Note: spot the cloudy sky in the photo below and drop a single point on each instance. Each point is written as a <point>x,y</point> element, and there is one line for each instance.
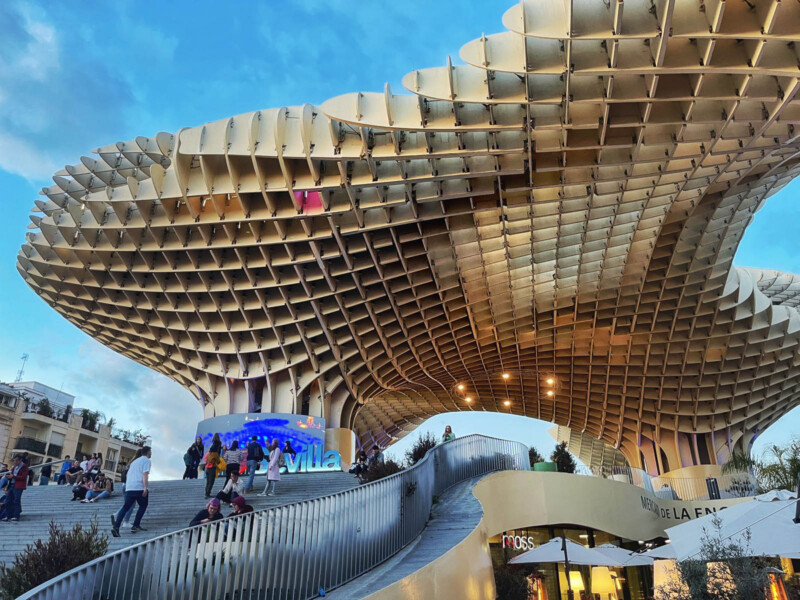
<point>76,76</point>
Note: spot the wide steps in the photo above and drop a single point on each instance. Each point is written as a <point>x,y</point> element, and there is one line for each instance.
<point>172,505</point>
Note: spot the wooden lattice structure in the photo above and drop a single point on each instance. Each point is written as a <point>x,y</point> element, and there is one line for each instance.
<point>565,206</point>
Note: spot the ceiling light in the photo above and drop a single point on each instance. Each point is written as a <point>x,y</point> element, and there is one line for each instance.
<point>460,387</point>
<point>550,381</point>
<point>549,392</point>
<point>506,375</point>
<point>468,399</point>
<point>507,403</point>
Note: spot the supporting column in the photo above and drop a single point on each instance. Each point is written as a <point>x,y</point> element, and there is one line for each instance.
<point>342,440</point>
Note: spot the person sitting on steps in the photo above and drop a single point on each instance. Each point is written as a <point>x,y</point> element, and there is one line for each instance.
<point>232,489</point>
<point>103,488</point>
<point>84,487</point>
<point>209,514</point>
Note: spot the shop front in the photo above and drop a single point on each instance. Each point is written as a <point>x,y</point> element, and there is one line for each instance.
<point>548,581</point>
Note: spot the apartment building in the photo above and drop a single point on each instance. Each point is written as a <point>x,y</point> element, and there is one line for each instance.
<point>32,421</point>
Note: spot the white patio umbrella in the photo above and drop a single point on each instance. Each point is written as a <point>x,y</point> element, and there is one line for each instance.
<point>769,519</point>
<point>625,557</point>
<point>665,551</point>
<point>552,552</point>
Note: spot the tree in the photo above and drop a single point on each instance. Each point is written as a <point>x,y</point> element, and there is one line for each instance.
<point>419,448</point>
<point>534,456</point>
<point>563,459</point>
<point>779,468</point>
<point>724,570</point>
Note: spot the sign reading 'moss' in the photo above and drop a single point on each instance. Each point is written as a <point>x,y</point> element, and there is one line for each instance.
<point>305,434</point>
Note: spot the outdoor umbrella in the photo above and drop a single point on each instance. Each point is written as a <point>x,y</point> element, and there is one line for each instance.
<point>767,517</point>
<point>625,557</point>
<point>551,552</point>
<point>665,551</point>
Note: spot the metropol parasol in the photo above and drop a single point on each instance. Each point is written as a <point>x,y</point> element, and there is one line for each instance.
<point>547,230</point>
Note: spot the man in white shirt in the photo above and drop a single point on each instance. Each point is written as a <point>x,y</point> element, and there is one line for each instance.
<point>85,464</point>
<point>135,491</point>
<point>234,488</point>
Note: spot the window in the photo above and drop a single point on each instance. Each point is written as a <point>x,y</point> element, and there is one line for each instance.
<point>57,439</point>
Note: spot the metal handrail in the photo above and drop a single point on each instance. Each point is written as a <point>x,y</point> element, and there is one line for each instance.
<point>39,466</point>
<point>729,485</point>
<point>291,551</point>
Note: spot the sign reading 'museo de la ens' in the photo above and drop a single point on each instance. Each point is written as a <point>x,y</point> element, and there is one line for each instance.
<point>678,513</point>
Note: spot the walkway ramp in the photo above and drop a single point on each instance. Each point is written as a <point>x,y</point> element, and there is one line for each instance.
<point>172,506</point>
<point>454,517</point>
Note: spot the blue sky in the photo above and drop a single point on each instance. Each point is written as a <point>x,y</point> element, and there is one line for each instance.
<point>76,76</point>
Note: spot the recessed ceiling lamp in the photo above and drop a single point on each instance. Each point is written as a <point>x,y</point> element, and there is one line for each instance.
<point>467,399</point>
<point>550,381</point>
<point>460,387</point>
<point>549,392</point>
<point>507,403</point>
<point>506,375</point>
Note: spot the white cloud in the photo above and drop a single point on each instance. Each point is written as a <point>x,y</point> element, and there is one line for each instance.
<point>137,398</point>
<point>19,157</point>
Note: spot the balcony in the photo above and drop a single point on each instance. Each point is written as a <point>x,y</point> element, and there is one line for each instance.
<point>31,444</point>
<point>48,409</point>
<point>55,451</point>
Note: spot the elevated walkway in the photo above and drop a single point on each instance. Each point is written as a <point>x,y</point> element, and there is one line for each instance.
<point>172,506</point>
<point>453,518</point>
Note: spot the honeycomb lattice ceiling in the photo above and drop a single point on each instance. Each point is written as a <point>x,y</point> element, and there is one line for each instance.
<point>565,205</point>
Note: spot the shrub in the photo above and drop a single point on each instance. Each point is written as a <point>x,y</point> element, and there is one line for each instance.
<point>45,408</point>
<point>511,585</point>
<point>419,448</point>
<point>563,459</point>
<point>45,559</point>
<point>534,456</point>
<point>381,470</point>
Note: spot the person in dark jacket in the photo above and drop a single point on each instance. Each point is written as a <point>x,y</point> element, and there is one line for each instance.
<point>287,449</point>
<point>209,514</point>
<point>19,481</point>
<point>193,457</point>
<point>255,454</point>
<point>44,475</point>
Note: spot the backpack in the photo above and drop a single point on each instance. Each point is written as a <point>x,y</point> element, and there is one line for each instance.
<point>187,459</point>
<point>258,452</point>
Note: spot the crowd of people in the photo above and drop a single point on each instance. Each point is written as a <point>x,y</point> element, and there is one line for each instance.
<point>234,463</point>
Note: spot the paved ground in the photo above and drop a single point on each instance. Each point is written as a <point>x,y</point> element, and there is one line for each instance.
<point>454,517</point>
<point>172,506</point>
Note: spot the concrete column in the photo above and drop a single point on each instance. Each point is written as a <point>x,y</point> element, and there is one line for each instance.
<point>344,441</point>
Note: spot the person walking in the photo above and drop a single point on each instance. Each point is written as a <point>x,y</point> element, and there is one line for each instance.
<point>136,489</point>
<point>18,476</point>
<point>255,454</point>
<point>44,474</point>
<point>233,459</point>
<point>211,462</point>
<point>274,468</point>
<point>448,435</point>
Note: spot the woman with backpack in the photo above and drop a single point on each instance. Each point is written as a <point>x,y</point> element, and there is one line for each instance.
<point>192,458</point>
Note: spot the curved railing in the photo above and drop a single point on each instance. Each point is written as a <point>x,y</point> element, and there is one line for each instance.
<point>289,551</point>
<point>724,486</point>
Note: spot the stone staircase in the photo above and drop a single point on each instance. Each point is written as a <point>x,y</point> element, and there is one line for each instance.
<point>172,506</point>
